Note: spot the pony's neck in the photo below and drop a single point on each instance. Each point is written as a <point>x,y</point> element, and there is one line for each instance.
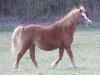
<point>68,25</point>
<point>69,22</point>
<point>72,28</point>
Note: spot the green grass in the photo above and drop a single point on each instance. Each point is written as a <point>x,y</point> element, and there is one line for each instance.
<point>6,28</point>
<point>86,49</point>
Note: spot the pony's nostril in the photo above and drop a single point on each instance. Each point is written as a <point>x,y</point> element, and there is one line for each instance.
<point>90,23</point>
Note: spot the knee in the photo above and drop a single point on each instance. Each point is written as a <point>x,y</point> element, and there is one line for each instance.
<point>60,58</point>
<point>19,55</point>
<point>32,56</point>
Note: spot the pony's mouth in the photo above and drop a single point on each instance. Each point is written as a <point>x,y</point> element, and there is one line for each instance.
<point>88,24</point>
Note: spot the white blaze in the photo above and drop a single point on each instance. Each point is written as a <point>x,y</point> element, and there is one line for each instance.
<point>88,21</point>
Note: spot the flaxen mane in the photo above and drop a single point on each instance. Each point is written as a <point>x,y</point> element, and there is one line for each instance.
<point>70,17</point>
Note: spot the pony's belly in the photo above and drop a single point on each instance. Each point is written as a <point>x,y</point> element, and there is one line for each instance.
<point>47,46</point>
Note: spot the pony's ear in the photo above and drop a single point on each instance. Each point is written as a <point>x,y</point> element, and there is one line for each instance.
<point>82,9</point>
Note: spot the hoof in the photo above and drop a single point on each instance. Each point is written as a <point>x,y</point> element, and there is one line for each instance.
<point>15,70</point>
<point>74,67</point>
<point>15,67</point>
<point>37,67</point>
<point>53,66</point>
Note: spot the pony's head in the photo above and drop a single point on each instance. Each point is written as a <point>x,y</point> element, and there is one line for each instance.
<point>82,17</point>
<point>75,16</point>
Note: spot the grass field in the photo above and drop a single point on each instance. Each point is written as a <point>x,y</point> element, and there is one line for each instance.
<point>86,50</point>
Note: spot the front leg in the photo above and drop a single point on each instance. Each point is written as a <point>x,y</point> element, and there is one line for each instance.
<point>70,54</point>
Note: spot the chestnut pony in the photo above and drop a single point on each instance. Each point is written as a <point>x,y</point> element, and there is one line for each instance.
<point>58,35</point>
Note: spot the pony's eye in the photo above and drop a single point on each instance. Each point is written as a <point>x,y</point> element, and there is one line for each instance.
<point>82,16</point>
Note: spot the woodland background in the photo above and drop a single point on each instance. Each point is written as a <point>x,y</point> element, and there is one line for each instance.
<point>33,11</point>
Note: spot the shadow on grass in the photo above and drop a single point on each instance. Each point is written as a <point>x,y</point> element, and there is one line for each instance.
<point>78,68</point>
<point>82,68</point>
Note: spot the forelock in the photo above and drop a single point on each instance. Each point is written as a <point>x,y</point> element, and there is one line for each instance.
<point>82,8</point>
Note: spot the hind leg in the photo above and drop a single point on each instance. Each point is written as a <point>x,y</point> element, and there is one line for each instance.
<point>54,64</point>
<point>19,56</point>
<point>32,55</point>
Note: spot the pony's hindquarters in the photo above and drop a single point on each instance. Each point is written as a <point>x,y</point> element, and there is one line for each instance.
<point>16,34</point>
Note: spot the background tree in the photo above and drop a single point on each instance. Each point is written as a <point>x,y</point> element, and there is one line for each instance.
<point>28,10</point>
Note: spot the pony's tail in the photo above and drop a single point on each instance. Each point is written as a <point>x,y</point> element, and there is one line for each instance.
<point>17,33</point>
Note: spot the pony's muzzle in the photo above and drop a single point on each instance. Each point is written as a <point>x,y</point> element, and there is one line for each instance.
<point>89,23</point>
